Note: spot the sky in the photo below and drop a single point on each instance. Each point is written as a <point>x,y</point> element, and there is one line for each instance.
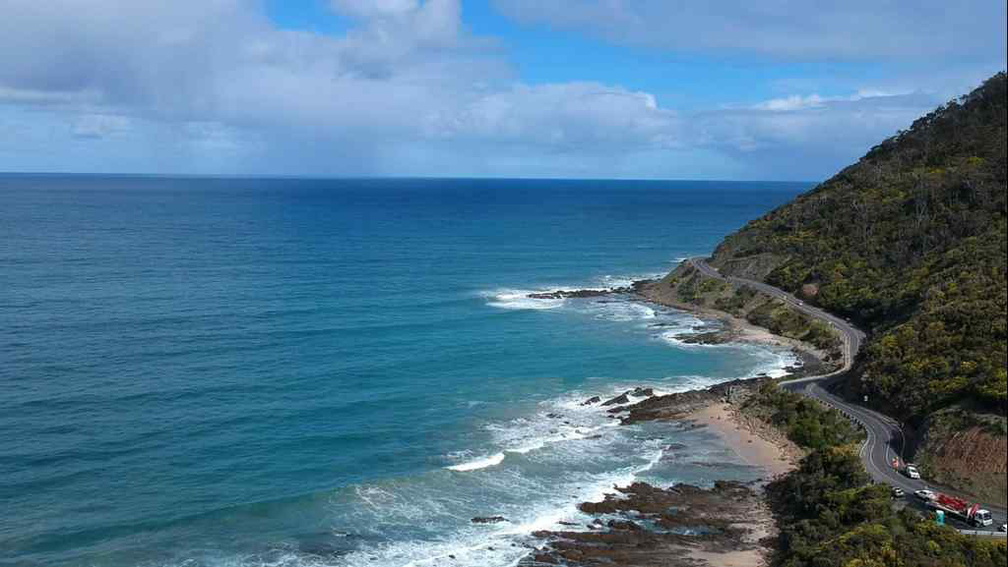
<point>667,89</point>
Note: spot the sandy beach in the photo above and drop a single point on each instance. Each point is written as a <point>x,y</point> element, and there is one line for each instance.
<point>759,445</point>
<point>756,443</point>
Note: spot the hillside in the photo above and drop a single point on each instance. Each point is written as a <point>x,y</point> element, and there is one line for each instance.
<point>910,243</point>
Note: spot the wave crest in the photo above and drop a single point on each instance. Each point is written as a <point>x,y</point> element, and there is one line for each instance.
<point>477,464</point>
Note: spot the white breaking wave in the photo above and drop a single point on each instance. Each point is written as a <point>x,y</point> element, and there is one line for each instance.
<point>673,338</point>
<point>477,464</point>
<point>610,281</point>
<point>511,298</point>
<point>565,454</point>
<point>680,324</point>
<point>622,311</point>
<point>776,361</point>
<point>519,299</point>
<point>504,544</point>
<point>609,308</point>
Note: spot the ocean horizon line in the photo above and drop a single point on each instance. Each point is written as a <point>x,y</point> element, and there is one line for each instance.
<point>272,177</point>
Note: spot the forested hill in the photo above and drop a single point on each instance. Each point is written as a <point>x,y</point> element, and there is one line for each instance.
<point>909,242</point>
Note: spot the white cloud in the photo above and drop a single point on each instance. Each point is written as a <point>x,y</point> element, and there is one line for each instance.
<point>191,60</point>
<point>569,115</point>
<point>376,8</point>
<point>408,72</point>
<point>809,135</point>
<point>99,125</point>
<point>793,102</point>
<point>11,95</point>
<point>784,28</point>
<point>799,102</point>
<point>198,85</point>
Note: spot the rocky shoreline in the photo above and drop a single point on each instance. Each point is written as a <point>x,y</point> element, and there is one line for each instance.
<point>634,288</point>
<point>580,293</point>
<point>679,405</point>
<point>642,525</point>
<point>733,329</point>
<point>648,526</point>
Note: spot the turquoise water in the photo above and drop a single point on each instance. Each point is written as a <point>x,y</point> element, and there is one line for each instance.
<point>338,372</point>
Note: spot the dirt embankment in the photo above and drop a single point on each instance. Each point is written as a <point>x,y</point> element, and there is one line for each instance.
<point>968,453</point>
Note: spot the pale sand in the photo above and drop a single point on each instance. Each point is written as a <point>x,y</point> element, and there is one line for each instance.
<point>754,442</point>
<point>761,525</point>
<point>758,444</point>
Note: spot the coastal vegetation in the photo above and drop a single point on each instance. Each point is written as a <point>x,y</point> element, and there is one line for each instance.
<point>801,419</point>
<point>829,513</point>
<point>686,287</point>
<point>830,516</point>
<point>910,244</point>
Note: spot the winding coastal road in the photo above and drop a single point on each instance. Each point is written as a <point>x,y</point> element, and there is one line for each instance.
<point>884,436</point>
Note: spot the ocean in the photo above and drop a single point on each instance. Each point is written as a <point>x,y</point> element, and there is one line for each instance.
<point>232,372</point>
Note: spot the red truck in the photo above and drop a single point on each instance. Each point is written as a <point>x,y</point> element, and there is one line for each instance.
<point>966,511</point>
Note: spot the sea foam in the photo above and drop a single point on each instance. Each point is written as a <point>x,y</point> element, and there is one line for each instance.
<point>519,299</point>
<point>503,545</point>
<point>513,298</point>
<point>477,464</point>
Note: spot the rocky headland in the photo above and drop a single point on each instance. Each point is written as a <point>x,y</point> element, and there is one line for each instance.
<point>642,525</point>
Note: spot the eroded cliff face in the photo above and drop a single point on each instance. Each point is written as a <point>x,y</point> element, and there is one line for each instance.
<point>966,451</point>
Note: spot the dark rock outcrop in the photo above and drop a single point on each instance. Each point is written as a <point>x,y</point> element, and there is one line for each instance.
<point>620,399</point>
<point>657,527</point>
<point>489,519</point>
<point>578,293</point>
<point>676,406</point>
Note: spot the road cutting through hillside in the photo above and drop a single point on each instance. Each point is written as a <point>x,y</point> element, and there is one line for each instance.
<point>884,436</point>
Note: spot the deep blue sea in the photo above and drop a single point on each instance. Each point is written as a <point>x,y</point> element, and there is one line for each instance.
<point>231,372</point>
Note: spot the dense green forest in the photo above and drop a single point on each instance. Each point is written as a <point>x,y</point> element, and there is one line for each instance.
<point>910,243</point>
<point>832,516</point>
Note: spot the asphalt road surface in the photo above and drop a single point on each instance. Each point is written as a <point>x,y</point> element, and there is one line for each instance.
<point>884,437</point>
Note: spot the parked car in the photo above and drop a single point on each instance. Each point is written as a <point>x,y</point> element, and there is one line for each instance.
<point>1004,527</point>
<point>911,471</point>
<point>897,492</point>
<point>924,495</point>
